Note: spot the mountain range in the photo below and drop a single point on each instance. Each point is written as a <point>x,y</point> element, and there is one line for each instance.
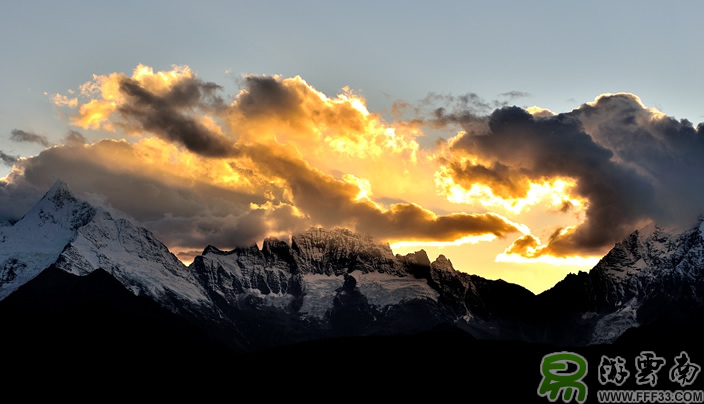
<point>78,284</point>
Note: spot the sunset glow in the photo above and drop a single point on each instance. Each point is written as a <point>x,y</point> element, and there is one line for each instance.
<point>554,193</point>
<point>254,121</point>
<point>286,156</point>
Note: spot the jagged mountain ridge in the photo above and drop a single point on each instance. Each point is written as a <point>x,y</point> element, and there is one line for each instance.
<point>326,283</point>
<point>336,283</point>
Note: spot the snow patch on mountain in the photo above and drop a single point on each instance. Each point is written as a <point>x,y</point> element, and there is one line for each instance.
<point>319,294</point>
<point>383,290</point>
<point>611,326</point>
<point>132,255</point>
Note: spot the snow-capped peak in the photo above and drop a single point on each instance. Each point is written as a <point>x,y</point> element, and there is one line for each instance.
<point>35,241</point>
<point>59,207</point>
<point>647,269</point>
<point>65,231</point>
<point>59,191</point>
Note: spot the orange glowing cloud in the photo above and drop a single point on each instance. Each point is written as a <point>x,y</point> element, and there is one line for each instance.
<point>528,248</point>
<point>289,111</point>
<point>497,188</point>
<point>302,157</point>
<point>282,156</point>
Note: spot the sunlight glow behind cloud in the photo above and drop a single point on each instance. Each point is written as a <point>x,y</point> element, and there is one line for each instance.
<point>281,156</point>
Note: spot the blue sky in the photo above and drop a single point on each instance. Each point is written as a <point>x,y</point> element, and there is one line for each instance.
<point>553,54</point>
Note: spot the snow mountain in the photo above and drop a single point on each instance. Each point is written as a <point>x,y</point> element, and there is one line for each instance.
<point>337,283</point>
<point>78,238</point>
<point>654,277</point>
<point>325,283</point>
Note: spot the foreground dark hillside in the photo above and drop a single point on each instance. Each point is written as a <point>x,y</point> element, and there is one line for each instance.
<point>60,321</point>
<point>66,336</point>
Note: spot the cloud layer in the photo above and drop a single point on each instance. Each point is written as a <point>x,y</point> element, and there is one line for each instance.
<point>282,156</point>
<point>275,160</point>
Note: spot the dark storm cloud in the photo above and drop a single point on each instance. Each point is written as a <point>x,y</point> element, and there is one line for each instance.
<point>668,152</point>
<point>7,159</point>
<point>168,115</point>
<point>632,165</point>
<point>19,135</point>
<point>520,145</point>
<point>266,96</point>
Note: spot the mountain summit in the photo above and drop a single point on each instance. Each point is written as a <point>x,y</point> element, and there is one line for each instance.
<point>79,238</point>
<point>654,277</point>
<point>38,238</point>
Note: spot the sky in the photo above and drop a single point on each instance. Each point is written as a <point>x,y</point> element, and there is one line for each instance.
<point>521,140</point>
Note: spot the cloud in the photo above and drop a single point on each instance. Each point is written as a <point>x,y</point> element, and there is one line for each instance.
<point>63,101</point>
<point>174,105</point>
<point>119,172</point>
<point>19,135</point>
<point>330,202</point>
<point>288,149</point>
<point>282,156</point>
<point>504,181</point>
<point>74,138</point>
<point>630,165</point>
<point>272,109</point>
<point>469,111</point>
<point>192,205</point>
<point>7,159</point>
<point>514,94</point>
<point>667,152</point>
<point>166,115</point>
<point>193,192</point>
